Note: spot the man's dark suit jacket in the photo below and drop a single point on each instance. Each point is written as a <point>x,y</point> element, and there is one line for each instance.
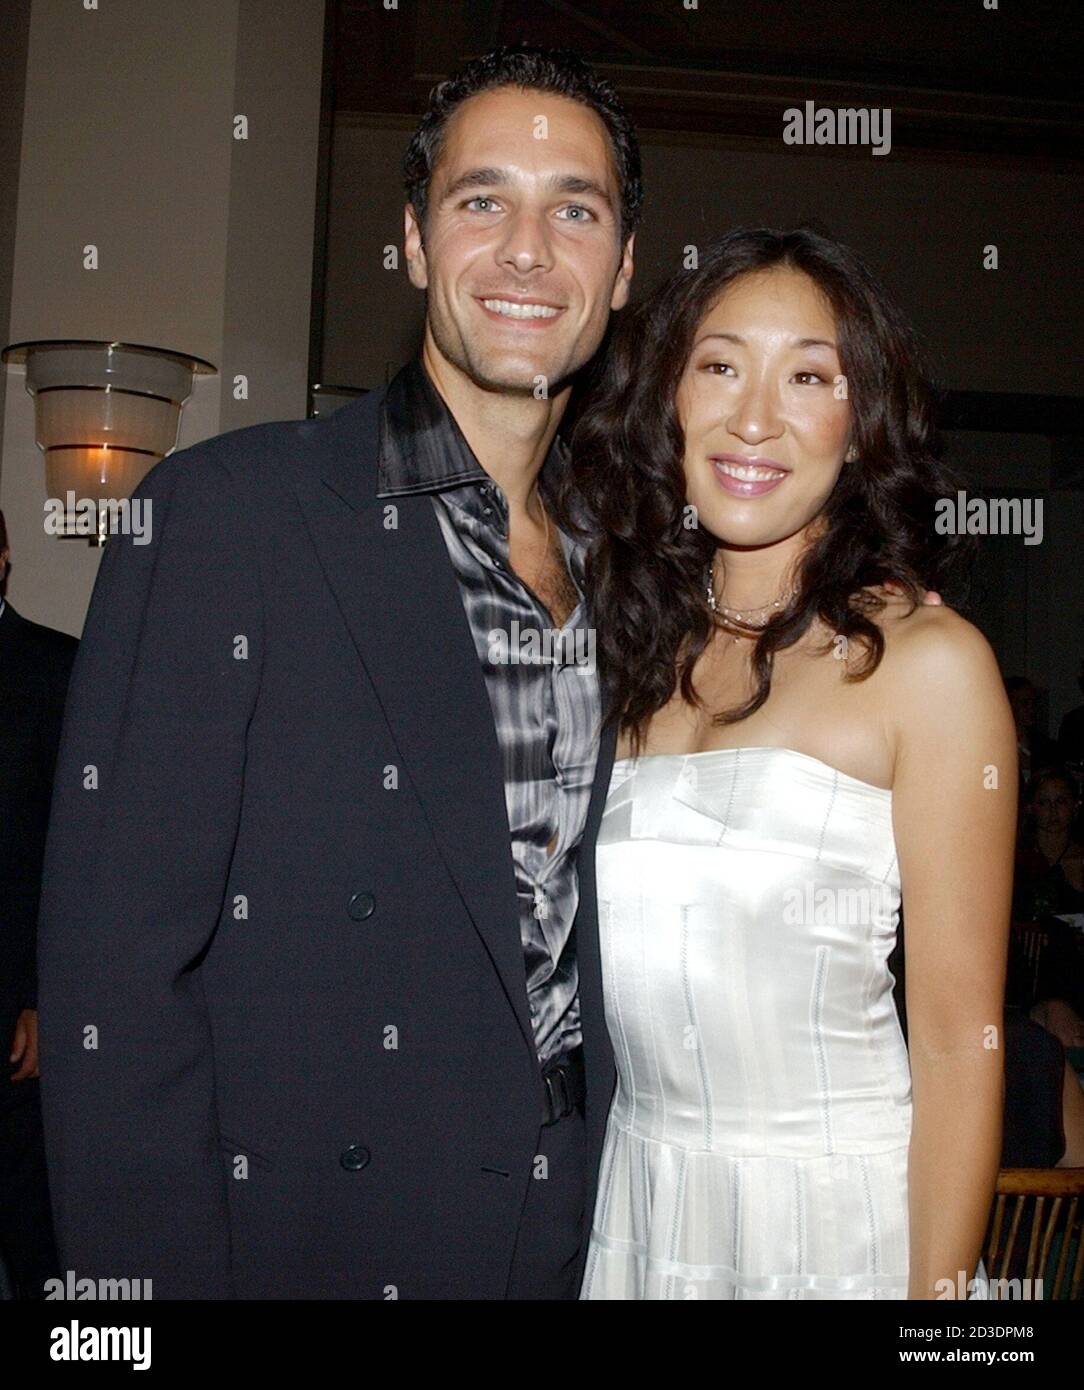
<point>285,1036</point>
<point>35,663</point>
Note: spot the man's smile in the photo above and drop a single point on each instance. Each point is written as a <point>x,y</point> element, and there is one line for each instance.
<point>534,313</point>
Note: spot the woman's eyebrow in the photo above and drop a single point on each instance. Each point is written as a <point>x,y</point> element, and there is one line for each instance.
<point>797,342</point>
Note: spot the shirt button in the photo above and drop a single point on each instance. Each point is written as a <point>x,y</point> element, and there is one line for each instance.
<point>355,1158</point>
<point>361,905</point>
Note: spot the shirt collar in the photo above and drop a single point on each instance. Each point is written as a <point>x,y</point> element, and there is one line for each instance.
<point>422,448</point>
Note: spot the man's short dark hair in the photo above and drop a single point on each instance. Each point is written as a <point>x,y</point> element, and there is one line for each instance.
<point>532,69</point>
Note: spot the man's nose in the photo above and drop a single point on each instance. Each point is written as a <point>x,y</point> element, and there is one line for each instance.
<point>525,247</point>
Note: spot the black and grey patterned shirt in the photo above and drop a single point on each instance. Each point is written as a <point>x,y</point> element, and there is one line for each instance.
<point>545,700</point>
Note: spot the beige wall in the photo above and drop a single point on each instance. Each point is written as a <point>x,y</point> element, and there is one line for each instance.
<point>204,242</point>
<point>14,36</point>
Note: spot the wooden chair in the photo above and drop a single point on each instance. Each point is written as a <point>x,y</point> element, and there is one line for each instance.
<point>1037,1211</point>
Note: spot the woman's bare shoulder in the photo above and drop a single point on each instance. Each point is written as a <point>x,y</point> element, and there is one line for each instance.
<point>936,659</point>
<point>929,631</point>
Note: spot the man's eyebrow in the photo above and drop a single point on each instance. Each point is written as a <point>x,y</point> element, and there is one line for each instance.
<point>491,177</point>
<point>574,183</point>
<point>477,178</point>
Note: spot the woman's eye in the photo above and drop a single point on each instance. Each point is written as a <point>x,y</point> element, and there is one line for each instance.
<point>813,376</point>
<point>717,368</point>
<point>582,214</point>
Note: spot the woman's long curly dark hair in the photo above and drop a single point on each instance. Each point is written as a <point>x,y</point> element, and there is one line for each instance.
<point>625,486</point>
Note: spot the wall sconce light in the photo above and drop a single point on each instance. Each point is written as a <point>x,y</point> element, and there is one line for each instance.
<point>104,414</point>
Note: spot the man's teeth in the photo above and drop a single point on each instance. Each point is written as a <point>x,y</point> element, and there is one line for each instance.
<point>520,311</point>
<point>749,473</point>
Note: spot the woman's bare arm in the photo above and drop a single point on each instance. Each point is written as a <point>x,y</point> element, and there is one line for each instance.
<point>954,815</point>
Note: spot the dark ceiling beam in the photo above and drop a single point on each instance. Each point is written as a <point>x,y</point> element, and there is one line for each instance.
<point>709,83</point>
<point>621,42</point>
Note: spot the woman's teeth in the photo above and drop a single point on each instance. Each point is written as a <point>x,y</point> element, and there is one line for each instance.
<point>520,311</point>
<point>749,473</point>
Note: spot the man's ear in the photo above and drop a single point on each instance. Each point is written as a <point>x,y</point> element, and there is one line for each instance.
<point>414,248</point>
<point>620,296</point>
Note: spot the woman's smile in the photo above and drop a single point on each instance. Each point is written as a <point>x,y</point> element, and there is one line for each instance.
<point>748,477</point>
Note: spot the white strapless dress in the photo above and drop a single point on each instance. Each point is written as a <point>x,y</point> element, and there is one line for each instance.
<point>757,1143</point>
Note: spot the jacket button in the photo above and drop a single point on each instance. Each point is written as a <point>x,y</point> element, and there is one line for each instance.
<point>355,1158</point>
<point>362,905</point>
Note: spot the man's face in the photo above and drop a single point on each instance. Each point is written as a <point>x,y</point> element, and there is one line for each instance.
<point>522,257</point>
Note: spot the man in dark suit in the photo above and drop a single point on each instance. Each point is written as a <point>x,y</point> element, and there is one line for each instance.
<point>35,663</point>
<point>321,999</point>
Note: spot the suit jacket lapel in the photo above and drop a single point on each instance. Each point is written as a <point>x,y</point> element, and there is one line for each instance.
<point>400,600</point>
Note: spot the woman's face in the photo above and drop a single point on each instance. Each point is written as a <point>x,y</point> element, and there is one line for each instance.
<point>1053,806</point>
<point>766,421</point>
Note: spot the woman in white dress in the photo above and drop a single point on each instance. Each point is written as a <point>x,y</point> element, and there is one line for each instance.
<point>802,744</point>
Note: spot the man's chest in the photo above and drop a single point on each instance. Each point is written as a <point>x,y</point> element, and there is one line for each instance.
<point>541,567</point>
<point>555,590</point>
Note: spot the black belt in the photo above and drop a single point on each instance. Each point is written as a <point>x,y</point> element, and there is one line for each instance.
<point>565,1087</point>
